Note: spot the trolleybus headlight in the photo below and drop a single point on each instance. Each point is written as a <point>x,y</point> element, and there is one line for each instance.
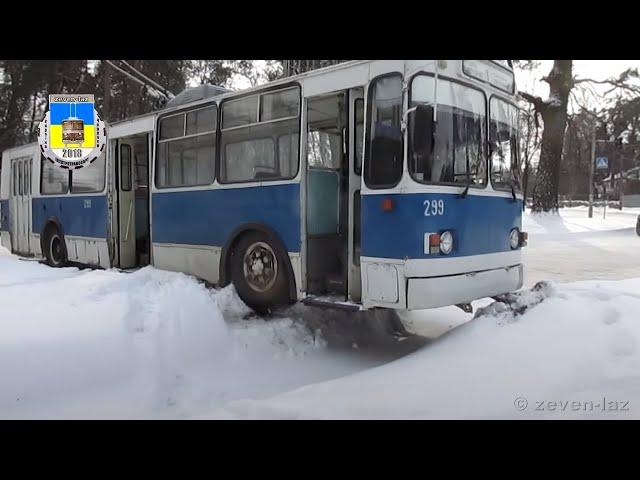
<point>446,242</point>
<point>514,238</point>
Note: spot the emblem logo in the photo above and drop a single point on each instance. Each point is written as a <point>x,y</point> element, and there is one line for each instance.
<point>72,134</point>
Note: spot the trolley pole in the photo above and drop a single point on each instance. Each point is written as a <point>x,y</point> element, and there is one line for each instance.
<point>592,169</point>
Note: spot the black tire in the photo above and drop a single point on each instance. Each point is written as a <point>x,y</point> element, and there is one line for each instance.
<point>638,227</point>
<point>55,249</point>
<point>259,271</point>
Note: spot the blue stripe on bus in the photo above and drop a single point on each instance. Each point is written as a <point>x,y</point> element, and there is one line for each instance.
<point>209,217</point>
<point>480,224</point>
<point>77,217</point>
<point>5,221</point>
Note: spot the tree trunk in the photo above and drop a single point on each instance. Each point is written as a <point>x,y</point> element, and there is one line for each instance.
<point>554,116</point>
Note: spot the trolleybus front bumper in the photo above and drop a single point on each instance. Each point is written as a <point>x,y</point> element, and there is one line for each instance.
<point>441,291</point>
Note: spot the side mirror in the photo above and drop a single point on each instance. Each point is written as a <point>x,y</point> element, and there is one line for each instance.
<point>423,130</point>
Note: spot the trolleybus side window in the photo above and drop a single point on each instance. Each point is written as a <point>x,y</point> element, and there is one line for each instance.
<point>202,120</point>
<point>186,148</point>
<point>90,178</point>
<point>503,137</point>
<point>172,127</point>
<point>53,179</point>
<point>260,137</point>
<point>288,146</point>
<point>459,147</point>
<point>383,167</point>
<point>324,132</point>
<point>281,104</point>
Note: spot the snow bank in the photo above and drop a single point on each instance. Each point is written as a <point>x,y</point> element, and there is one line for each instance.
<point>68,333</point>
<point>575,355</point>
<point>149,344</point>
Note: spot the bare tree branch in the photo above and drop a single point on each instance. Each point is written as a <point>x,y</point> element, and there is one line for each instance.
<point>537,102</point>
<point>615,83</point>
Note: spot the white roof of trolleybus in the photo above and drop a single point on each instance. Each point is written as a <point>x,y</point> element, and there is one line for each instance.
<point>351,74</point>
<point>131,126</point>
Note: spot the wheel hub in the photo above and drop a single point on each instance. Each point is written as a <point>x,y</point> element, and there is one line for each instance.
<point>260,266</point>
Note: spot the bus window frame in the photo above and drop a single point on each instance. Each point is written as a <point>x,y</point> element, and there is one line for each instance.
<point>258,94</point>
<point>356,170</point>
<point>367,132</point>
<point>485,184</point>
<point>216,132</point>
<point>498,187</point>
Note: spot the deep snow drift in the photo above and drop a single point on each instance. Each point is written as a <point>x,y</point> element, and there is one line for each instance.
<point>152,344</point>
<point>575,355</point>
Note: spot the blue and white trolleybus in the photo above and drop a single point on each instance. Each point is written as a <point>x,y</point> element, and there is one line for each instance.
<point>389,184</point>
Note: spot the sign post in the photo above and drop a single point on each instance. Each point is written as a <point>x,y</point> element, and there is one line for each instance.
<point>592,172</point>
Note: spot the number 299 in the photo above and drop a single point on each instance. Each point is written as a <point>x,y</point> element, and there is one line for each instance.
<point>433,208</point>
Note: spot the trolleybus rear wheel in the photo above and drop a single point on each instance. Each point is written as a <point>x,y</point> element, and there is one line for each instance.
<point>638,226</point>
<point>259,272</point>
<point>55,249</point>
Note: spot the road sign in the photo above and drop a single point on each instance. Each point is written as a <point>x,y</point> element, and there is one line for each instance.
<point>602,163</point>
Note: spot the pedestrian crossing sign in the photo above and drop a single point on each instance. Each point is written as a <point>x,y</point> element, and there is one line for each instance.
<point>602,163</point>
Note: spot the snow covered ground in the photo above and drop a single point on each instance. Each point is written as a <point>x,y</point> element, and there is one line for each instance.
<point>575,355</point>
<point>574,247</point>
<point>152,344</point>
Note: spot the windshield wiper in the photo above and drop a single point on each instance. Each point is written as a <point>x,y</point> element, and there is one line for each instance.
<point>466,189</point>
<point>511,183</point>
